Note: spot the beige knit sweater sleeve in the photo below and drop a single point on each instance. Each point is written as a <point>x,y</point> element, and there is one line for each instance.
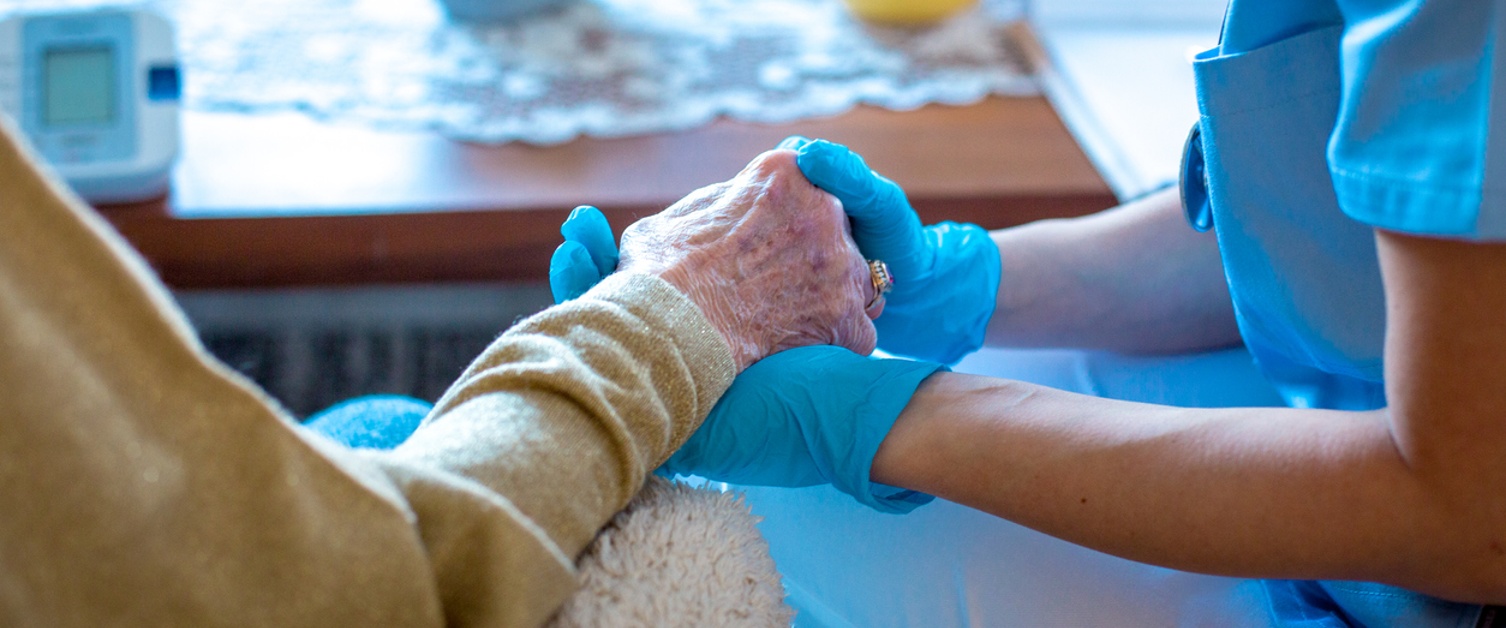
<point>143,483</point>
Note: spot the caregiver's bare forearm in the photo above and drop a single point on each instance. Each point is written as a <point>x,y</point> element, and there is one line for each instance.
<point>1134,278</point>
<point>1257,492</point>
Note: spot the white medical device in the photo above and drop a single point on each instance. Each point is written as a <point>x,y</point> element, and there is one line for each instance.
<point>97,93</point>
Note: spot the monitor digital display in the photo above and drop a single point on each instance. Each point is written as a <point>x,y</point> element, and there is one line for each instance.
<point>78,86</point>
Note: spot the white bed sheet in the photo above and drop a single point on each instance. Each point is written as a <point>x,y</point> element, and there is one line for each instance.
<point>949,565</point>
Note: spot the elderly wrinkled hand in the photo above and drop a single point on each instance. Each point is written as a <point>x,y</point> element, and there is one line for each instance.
<point>767,257</point>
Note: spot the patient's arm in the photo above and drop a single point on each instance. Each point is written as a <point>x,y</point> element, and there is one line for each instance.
<point>1135,278</point>
<point>144,483</point>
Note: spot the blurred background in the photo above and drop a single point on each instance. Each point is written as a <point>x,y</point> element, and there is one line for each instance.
<point>367,191</point>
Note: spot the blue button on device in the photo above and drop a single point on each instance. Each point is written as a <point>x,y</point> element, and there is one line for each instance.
<point>163,83</point>
<point>97,92</point>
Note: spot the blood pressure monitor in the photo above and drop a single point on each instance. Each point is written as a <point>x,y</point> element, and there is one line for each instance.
<point>97,92</point>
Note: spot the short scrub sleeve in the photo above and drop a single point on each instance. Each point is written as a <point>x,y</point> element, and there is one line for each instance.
<point>1419,145</point>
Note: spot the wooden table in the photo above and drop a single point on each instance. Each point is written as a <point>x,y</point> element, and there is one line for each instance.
<point>282,200</point>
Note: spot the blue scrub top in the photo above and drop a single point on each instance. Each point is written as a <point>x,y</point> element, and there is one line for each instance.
<point>1324,119</point>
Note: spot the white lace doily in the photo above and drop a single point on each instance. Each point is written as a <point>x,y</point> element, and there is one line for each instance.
<point>604,68</point>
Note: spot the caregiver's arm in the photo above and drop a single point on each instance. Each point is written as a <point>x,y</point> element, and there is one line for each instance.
<point>1409,495</point>
<point>1135,278</point>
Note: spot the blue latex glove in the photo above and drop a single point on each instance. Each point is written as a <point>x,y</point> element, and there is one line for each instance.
<point>802,417</point>
<point>946,276</point>
<point>588,255</point>
<point>807,416</point>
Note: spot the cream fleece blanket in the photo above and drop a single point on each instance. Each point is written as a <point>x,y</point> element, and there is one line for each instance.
<point>678,556</point>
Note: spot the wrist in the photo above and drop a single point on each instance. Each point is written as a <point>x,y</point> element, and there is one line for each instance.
<point>939,440</point>
<point>719,311</point>
<point>892,384</point>
<point>903,455</point>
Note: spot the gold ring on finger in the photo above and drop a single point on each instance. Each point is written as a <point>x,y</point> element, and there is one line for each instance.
<point>883,280</point>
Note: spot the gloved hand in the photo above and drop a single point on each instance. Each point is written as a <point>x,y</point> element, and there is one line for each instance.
<point>802,417</point>
<point>588,255</point>
<point>807,416</point>
<point>946,276</point>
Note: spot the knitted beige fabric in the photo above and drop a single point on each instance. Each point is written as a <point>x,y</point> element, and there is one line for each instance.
<point>144,483</point>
